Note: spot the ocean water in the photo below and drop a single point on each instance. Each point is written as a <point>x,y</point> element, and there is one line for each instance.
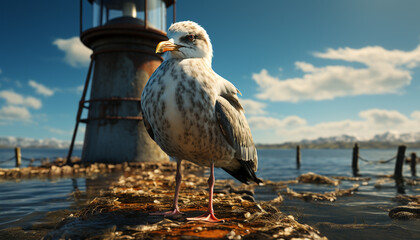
<point>25,202</point>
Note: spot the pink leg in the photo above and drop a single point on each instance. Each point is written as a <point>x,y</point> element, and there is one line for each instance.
<point>178,179</point>
<point>209,215</point>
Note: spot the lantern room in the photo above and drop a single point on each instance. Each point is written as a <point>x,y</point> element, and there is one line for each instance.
<point>130,12</point>
<point>145,13</point>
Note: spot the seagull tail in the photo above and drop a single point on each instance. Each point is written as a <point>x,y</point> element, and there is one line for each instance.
<point>245,173</point>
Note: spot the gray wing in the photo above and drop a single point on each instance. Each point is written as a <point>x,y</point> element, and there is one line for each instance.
<point>147,125</point>
<point>236,131</point>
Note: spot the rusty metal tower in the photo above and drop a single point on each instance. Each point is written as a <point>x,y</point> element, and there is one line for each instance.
<point>123,39</point>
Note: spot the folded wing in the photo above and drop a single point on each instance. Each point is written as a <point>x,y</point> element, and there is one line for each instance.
<point>235,129</point>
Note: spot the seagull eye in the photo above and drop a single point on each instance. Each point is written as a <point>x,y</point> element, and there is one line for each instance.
<point>191,37</point>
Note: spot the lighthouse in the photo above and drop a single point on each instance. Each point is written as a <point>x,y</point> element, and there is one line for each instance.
<point>123,37</point>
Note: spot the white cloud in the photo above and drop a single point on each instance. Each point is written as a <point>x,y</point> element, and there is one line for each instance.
<point>13,113</point>
<point>264,123</point>
<point>416,115</point>
<point>75,90</point>
<point>386,71</point>
<point>32,102</point>
<point>41,89</point>
<point>385,118</point>
<point>252,107</point>
<point>11,97</point>
<point>76,54</point>
<point>58,131</point>
<point>374,56</point>
<point>16,99</point>
<point>370,122</point>
<point>80,89</point>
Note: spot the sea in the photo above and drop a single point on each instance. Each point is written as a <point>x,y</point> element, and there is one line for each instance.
<point>363,215</point>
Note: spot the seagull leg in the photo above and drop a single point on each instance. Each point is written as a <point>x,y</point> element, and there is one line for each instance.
<point>209,215</point>
<point>178,179</point>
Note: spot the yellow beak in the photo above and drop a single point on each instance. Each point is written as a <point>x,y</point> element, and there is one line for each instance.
<point>165,46</point>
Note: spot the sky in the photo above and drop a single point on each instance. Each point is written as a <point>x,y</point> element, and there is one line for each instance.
<point>306,69</point>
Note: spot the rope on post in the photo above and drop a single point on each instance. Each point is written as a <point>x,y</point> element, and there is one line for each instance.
<point>8,160</point>
<point>378,161</point>
<point>31,160</point>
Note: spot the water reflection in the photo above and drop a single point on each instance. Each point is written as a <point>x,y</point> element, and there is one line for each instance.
<point>27,202</point>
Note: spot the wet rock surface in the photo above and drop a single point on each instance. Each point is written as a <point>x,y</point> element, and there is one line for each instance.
<point>405,212</point>
<point>410,210</point>
<point>121,211</point>
<point>327,196</point>
<point>317,179</point>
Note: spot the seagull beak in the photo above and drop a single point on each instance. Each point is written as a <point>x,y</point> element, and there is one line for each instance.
<point>165,46</point>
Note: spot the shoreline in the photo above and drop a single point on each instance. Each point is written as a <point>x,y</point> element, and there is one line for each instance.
<point>121,209</point>
<point>119,197</point>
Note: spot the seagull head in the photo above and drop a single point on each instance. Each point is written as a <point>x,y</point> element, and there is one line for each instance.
<point>187,39</point>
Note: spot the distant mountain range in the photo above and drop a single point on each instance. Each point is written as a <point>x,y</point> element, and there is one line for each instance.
<point>393,137</point>
<point>11,142</point>
<point>384,137</point>
<point>384,140</point>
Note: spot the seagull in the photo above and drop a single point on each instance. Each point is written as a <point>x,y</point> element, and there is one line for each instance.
<point>194,114</point>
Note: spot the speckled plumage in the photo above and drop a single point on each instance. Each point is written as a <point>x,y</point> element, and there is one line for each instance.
<point>194,114</point>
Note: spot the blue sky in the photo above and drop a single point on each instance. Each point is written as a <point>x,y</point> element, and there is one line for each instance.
<point>306,69</point>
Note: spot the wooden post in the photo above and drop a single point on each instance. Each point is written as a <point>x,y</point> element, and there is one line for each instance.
<point>18,156</point>
<point>400,161</point>
<point>298,157</point>
<point>413,164</point>
<point>355,164</point>
<point>399,181</point>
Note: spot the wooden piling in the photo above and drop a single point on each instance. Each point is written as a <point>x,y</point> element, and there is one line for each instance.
<point>355,163</point>
<point>399,181</point>
<point>18,156</point>
<point>400,161</point>
<point>413,164</point>
<point>298,157</point>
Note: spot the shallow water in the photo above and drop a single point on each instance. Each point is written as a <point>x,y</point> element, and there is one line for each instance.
<point>26,202</point>
<point>361,216</point>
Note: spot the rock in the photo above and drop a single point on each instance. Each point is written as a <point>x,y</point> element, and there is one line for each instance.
<point>55,171</point>
<point>248,198</point>
<point>278,199</point>
<point>405,212</point>
<point>102,166</point>
<point>25,172</point>
<point>327,196</point>
<point>67,170</point>
<point>317,179</point>
<point>408,199</point>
